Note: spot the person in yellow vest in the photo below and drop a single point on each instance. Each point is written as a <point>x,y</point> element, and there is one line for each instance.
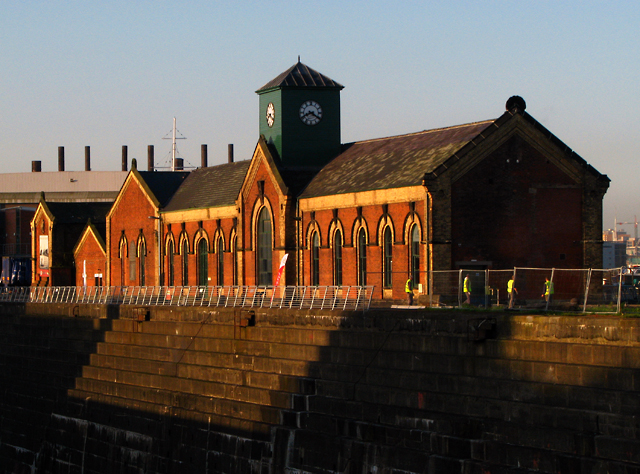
<point>548,290</point>
<point>511,290</point>
<point>467,289</point>
<point>408,288</point>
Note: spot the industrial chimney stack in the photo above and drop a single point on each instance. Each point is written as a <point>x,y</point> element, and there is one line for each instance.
<point>87,158</point>
<point>124,158</point>
<point>203,156</point>
<point>150,158</point>
<point>60,158</point>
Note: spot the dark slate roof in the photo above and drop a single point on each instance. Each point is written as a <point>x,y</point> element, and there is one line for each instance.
<point>300,75</point>
<point>79,212</point>
<point>163,184</point>
<point>210,187</point>
<point>392,162</point>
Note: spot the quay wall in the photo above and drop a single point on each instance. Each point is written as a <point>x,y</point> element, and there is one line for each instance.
<point>159,390</point>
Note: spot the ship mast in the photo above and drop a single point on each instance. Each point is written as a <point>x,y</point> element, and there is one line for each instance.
<point>173,145</point>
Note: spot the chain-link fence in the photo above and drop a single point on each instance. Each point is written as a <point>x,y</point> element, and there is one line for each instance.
<point>290,297</point>
<point>549,289</point>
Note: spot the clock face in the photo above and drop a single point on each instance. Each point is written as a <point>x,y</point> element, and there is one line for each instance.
<point>310,112</point>
<point>271,114</point>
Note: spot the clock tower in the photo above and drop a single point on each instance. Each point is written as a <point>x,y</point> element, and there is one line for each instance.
<point>300,117</point>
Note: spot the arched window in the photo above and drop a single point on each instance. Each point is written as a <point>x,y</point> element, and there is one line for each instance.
<point>337,258</point>
<point>220,261</point>
<point>185,262</point>
<point>123,258</point>
<point>170,267</point>
<point>415,254</point>
<point>133,256</point>
<point>234,251</point>
<point>315,259</point>
<point>142,252</point>
<point>362,257</point>
<point>264,266</point>
<point>388,257</point>
<point>203,263</point>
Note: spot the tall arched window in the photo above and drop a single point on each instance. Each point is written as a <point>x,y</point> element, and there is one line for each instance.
<point>220,261</point>
<point>264,266</point>
<point>315,259</point>
<point>170,267</point>
<point>362,257</point>
<point>388,257</point>
<point>123,259</point>
<point>337,258</point>
<point>185,262</point>
<point>415,254</point>
<point>133,257</point>
<point>142,253</point>
<point>203,263</point>
<point>234,251</point>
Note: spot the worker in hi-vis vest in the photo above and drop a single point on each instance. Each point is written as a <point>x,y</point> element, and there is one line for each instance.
<point>548,290</point>
<point>467,289</point>
<point>511,290</point>
<point>408,288</point>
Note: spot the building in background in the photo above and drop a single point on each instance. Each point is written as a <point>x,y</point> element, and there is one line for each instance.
<point>614,254</point>
<point>20,195</point>
<point>56,228</point>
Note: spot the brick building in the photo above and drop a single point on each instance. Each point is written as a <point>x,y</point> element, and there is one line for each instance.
<point>493,194</point>
<point>90,256</point>
<point>55,229</point>
<point>132,226</point>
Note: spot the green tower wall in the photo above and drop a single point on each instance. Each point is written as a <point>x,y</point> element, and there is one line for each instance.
<point>300,145</point>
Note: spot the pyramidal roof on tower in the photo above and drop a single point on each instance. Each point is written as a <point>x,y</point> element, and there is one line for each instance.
<point>300,75</point>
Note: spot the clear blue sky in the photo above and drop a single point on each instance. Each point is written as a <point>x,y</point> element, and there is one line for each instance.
<point>115,73</point>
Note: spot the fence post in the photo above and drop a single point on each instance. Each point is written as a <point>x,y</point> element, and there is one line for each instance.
<point>430,280</point>
<point>510,296</point>
<point>460,287</point>
<point>486,288</point>
<point>586,292</point>
<point>619,289</point>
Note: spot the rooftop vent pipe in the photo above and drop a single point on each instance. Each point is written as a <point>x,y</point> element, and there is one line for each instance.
<point>230,152</point>
<point>36,166</point>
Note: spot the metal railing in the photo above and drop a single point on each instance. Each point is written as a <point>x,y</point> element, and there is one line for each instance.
<point>290,297</point>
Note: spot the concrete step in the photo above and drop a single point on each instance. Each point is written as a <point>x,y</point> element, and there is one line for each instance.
<point>242,393</point>
<point>209,373</point>
<point>160,401</point>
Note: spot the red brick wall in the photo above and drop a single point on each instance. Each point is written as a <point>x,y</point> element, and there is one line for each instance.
<point>132,214</point>
<point>193,232</point>
<point>517,209</point>
<point>372,216</point>
<point>94,256</point>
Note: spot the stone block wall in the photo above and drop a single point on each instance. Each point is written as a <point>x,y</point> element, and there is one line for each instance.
<point>191,390</point>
